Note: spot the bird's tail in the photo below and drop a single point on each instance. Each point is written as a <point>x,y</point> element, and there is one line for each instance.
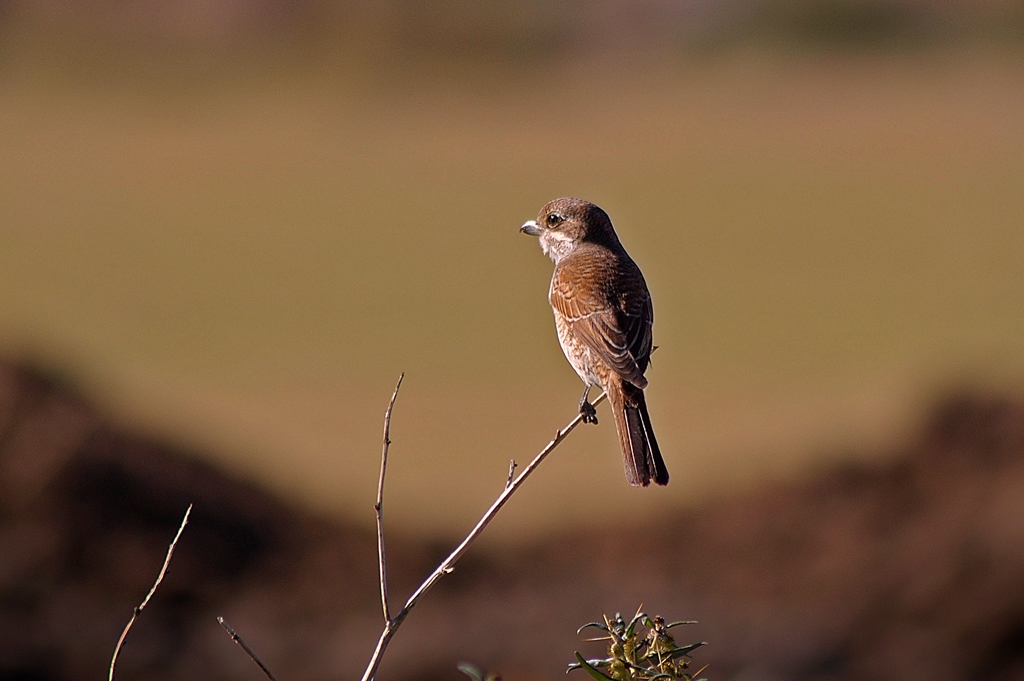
<point>640,453</point>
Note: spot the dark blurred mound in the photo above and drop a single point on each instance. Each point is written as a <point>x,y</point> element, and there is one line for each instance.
<point>908,570</point>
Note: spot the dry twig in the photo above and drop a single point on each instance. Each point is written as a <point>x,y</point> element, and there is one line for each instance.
<point>379,506</point>
<point>145,601</point>
<point>447,565</point>
<point>245,646</point>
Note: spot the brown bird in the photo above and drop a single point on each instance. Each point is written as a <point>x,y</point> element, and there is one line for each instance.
<point>603,315</point>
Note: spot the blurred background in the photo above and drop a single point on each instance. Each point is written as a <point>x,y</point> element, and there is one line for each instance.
<point>227,226</point>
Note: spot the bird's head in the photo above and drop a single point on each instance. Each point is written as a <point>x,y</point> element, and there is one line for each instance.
<point>564,224</point>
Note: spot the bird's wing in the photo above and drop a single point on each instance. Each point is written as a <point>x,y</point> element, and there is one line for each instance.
<point>613,321</point>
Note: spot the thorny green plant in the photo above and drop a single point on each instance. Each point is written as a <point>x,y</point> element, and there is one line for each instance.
<point>639,650</point>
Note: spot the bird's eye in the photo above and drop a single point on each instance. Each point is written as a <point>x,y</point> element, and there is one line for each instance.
<point>554,219</point>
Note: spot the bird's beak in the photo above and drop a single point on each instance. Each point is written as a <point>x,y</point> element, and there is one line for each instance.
<point>530,228</point>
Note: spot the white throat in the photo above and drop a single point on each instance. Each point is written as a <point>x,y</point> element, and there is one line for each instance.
<point>557,245</point>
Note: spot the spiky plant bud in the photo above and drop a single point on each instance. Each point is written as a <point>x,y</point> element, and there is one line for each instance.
<point>640,650</point>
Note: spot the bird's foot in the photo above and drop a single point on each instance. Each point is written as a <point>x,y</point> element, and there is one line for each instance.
<point>588,412</point>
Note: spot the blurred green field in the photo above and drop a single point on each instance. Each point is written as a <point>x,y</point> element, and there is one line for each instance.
<point>247,268</point>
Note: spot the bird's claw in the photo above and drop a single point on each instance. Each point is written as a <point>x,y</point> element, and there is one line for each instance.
<point>588,412</point>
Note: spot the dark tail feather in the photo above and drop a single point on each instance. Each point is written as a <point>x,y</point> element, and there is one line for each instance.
<point>641,456</point>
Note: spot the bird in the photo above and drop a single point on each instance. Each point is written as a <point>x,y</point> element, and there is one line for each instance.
<point>604,316</point>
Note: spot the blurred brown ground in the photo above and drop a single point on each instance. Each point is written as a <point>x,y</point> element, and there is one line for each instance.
<point>910,570</point>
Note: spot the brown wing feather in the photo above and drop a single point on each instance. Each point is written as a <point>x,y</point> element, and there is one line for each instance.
<point>614,324</point>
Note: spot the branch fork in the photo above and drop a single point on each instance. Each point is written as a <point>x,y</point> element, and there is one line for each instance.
<point>447,565</point>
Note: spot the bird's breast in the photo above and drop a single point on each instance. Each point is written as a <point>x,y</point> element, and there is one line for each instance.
<point>577,352</point>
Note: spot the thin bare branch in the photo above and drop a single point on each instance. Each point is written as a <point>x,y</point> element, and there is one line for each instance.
<point>379,506</point>
<point>448,564</point>
<point>248,651</point>
<point>159,578</point>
